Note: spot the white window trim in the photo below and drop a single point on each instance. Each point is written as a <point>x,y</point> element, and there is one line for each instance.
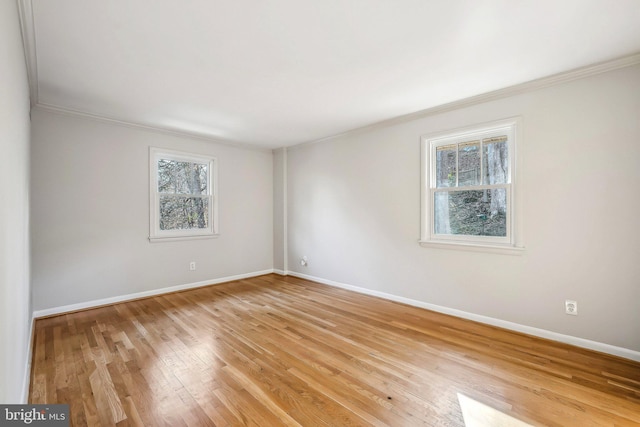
<point>157,235</point>
<point>513,243</point>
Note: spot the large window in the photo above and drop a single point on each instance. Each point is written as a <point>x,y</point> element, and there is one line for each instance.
<point>183,202</point>
<point>469,193</point>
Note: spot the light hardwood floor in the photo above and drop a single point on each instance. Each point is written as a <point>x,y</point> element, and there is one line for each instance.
<point>272,350</point>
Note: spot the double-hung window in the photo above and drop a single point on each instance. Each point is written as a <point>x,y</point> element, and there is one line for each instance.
<point>469,193</point>
<point>183,196</point>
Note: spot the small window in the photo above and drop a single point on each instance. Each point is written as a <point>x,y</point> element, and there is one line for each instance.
<point>183,202</point>
<point>469,193</point>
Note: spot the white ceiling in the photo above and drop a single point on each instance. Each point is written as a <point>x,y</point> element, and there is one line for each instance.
<point>281,72</point>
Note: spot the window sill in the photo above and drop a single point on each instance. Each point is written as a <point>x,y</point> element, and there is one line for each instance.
<point>474,247</point>
<point>181,238</point>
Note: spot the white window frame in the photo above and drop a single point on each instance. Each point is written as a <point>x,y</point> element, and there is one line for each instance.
<point>512,243</point>
<point>155,233</point>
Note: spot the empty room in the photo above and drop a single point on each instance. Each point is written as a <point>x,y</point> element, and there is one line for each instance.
<point>320,213</point>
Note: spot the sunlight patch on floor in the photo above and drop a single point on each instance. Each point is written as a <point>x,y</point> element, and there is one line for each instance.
<point>478,414</point>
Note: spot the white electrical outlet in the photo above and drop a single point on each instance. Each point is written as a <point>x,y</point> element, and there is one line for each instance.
<point>192,265</point>
<point>571,307</point>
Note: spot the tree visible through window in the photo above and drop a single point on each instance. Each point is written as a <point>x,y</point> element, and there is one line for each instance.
<point>182,193</point>
<point>183,188</point>
<point>460,210</point>
<point>469,186</point>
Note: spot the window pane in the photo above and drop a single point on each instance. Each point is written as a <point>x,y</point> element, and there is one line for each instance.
<point>469,163</point>
<point>495,158</point>
<point>182,177</point>
<point>446,166</point>
<point>179,213</point>
<point>471,213</point>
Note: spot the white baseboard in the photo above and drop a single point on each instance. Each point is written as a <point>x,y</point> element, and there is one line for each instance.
<point>121,298</point>
<point>542,333</point>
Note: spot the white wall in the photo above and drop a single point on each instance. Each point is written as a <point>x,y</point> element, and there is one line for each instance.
<point>90,213</point>
<point>279,198</point>
<point>354,210</point>
<point>15,311</point>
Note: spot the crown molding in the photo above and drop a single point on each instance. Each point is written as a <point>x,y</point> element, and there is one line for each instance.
<point>27,27</point>
<point>157,129</point>
<point>541,83</point>
<point>29,40</point>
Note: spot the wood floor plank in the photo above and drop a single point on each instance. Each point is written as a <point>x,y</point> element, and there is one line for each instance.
<point>273,350</point>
